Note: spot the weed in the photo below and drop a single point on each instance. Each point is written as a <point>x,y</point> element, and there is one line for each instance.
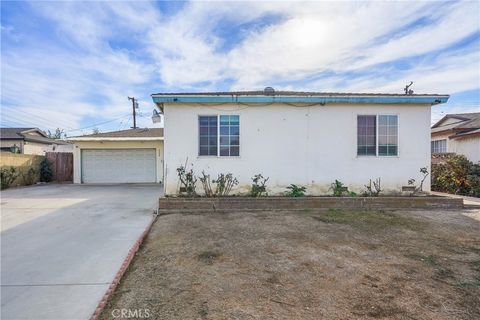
<point>209,256</point>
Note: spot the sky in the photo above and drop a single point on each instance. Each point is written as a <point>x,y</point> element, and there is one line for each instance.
<point>73,64</point>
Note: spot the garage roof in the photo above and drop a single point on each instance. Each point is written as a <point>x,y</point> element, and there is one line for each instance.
<point>125,135</point>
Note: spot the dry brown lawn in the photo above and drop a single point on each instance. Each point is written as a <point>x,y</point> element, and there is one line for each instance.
<point>307,265</point>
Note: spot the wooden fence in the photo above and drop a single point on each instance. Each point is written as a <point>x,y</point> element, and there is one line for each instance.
<point>62,165</point>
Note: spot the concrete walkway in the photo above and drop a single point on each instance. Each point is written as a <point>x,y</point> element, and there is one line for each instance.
<point>466,200</point>
<point>61,245</point>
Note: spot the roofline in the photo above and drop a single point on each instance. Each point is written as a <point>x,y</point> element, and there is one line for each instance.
<point>321,99</point>
<point>116,139</point>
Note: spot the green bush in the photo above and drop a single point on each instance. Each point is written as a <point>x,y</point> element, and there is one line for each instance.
<point>28,175</point>
<point>7,176</point>
<point>458,176</point>
<point>295,191</point>
<point>259,187</point>
<point>46,172</point>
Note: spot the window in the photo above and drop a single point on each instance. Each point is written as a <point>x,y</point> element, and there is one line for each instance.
<point>229,136</point>
<point>208,133</point>
<point>384,135</point>
<point>219,139</point>
<point>366,135</point>
<point>439,146</point>
<point>387,135</point>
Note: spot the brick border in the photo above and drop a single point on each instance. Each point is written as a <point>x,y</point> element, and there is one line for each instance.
<point>230,204</point>
<point>126,262</point>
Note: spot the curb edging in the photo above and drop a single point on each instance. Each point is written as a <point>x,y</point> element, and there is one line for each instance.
<point>126,262</point>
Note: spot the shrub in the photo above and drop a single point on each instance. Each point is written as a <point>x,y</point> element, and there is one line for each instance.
<point>295,191</point>
<point>28,175</point>
<point>259,186</point>
<point>46,173</point>
<point>7,176</point>
<point>457,175</point>
<point>188,181</point>
<point>338,188</point>
<point>375,190</point>
<point>224,184</point>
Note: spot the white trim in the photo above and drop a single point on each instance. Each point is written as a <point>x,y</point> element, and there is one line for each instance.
<point>116,139</point>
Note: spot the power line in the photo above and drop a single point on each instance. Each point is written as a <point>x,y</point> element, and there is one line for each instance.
<point>98,124</point>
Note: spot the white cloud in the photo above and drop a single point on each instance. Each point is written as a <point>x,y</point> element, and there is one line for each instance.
<point>85,71</point>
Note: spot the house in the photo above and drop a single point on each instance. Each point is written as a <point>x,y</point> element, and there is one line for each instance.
<point>457,133</point>
<point>127,156</point>
<point>30,141</point>
<point>305,138</point>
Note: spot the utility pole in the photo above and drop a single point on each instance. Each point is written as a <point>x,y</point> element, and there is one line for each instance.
<point>134,106</point>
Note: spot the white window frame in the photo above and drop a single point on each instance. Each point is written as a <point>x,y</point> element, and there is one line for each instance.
<point>218,135</point>
<point>438,142</point>
<point>377,115</point>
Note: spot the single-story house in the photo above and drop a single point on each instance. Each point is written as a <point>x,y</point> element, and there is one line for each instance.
<point>127,156</point>
<point>30,141</point>
<point>305,138</point>
<point>457,133</point>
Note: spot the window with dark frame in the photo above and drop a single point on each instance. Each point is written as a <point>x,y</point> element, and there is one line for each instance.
<point>366,135</point>
<point>368,139</point>
<point>208,135</point>
<point>219,135</point>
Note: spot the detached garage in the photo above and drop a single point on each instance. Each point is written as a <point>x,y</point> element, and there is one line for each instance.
<point>128,156</point>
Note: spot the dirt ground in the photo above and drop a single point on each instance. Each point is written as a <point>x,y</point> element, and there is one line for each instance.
<point>307,265</point>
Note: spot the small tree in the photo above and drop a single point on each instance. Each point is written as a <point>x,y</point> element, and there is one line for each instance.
<point>7,176</point>
<point>58,134</point>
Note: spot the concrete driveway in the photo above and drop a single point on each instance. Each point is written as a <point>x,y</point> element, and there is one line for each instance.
<point>61,245</point>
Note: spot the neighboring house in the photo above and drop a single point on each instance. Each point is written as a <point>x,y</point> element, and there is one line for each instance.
<point>128,156</point>
<point>30,141</point>
<point>304,138</point>
<point>457,133</point>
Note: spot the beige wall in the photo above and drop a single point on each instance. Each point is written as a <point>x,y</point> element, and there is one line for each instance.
<point>79,145</point>
<point>11,143</point>
<point>22,162</point>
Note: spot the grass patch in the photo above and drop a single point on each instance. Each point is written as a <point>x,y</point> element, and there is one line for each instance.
<point>378,219</point>
<point>441,272</point>
<point>208,256</point>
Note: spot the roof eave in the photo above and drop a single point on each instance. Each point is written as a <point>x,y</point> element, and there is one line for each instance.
<point>317,99</point>
<point>116,139</point>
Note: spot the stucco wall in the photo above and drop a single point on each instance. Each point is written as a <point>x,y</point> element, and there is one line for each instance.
<point>36,148</point>
<point>469,147</point>
<point>310,146</point>
<point>78,146</point>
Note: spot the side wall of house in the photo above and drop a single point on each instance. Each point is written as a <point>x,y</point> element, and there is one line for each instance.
<point>309,146</point>
<point>79,145</point>
<point>36,148</point>
<point>469,147</point>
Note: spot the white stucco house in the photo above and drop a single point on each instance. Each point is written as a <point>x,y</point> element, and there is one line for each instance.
<point>127,156</point>
<point>457,133</point>
<point>305,138</point>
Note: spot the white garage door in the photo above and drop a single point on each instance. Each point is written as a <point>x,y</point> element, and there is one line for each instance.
<point>118,165</point>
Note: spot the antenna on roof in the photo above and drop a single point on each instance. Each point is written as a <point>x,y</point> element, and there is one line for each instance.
<point>407,89</point>
<point>269,91</point>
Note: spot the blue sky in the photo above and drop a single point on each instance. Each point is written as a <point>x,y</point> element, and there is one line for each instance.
<point>72,64</point>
